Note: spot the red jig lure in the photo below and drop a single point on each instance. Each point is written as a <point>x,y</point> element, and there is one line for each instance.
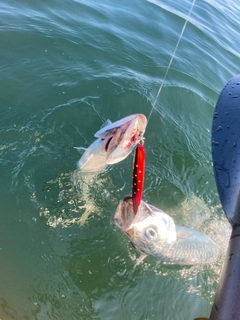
<point>138,176</point>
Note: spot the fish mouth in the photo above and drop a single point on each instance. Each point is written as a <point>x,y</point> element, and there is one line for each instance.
<point>114,142</point>
<point>135,131</point>
<point>120,140</point>
<point>125,217</point>
<point>124,214</point>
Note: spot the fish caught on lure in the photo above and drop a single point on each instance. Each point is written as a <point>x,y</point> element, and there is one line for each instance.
<point>114,143</point>
<point>152,232</point>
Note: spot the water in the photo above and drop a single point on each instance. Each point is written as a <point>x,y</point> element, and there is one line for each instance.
<point>66,67</point>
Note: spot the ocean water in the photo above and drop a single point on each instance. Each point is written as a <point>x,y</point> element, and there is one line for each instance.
<point>66,67</point>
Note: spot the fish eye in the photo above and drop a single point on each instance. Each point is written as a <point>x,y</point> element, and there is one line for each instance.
<point>151,233</point>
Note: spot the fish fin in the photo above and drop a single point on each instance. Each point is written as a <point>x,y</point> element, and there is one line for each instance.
<point>183,233</point>
<point>110,129</point>
<point>106,123</point>
<point>85,158</point>
<point>105,131</point>
<point>80,149</point>
<point>140,259</point>
<point>93,158</point>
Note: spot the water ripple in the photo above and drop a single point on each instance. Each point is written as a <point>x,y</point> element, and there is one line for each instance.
<point>67,66</point>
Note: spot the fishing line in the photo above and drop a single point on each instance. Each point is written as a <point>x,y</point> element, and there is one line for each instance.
<point>171,60</point>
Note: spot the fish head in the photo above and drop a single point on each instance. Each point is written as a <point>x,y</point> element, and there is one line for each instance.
<point>114,143</point>
<point>122,136</point>
<point>149,230</point>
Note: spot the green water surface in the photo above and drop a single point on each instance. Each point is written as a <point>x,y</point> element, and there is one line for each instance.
<point>66,67</point>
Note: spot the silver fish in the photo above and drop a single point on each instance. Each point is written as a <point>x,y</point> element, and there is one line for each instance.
<point>153,232</point>
<point>115,141</point>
